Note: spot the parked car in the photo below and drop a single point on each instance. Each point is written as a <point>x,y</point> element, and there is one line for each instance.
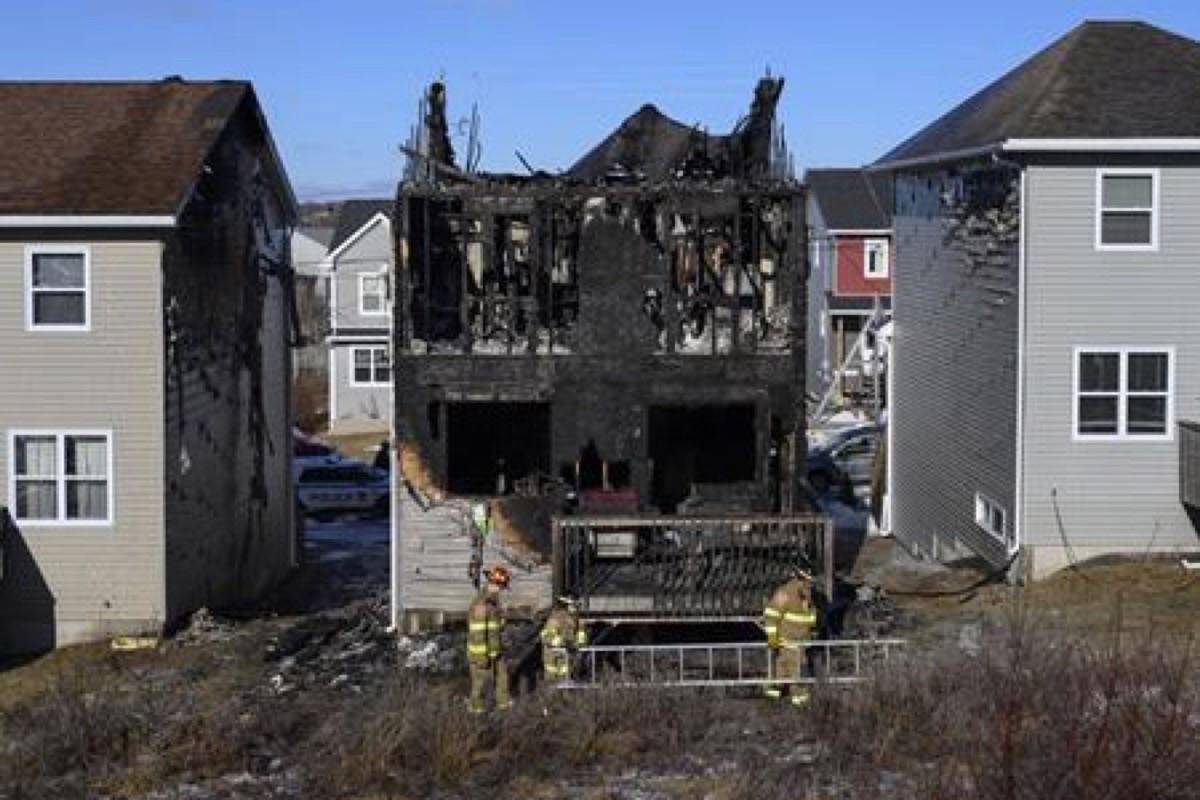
<point>326,491</point>
<point>844,460</point>
<point>311,452</point>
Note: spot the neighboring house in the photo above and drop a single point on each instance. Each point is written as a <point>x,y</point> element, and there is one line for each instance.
<point>1047,322</point>
<point>144,335</point>
<point>850,275</point>
<point>310,245</point>
<point>359,264</point>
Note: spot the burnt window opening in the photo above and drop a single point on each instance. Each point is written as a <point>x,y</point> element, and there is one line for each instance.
<point>433,414</point>
<point>492,445</point>
<point>711,444</point>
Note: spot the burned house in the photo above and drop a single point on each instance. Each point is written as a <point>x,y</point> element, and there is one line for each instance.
<point>623,338</point>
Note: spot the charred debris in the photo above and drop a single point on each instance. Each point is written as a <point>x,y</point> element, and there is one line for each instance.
<point>622,336</point>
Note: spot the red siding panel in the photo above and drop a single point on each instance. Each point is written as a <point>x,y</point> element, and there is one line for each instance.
<point>850,279</point>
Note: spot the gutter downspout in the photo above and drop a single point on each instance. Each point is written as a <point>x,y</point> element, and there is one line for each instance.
<point>1019,490</point>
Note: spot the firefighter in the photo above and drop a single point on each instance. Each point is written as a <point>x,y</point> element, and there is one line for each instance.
<point>789,620</point>
<point>562,633</point>
<point>485,651</point>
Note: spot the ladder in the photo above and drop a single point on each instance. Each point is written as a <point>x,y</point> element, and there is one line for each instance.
<point>750,664</point>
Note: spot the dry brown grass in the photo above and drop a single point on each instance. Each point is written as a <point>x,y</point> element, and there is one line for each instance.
<point>310,396</point>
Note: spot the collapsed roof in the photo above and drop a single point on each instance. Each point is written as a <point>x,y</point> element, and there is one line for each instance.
<point>1103,80</point>
<point>648,147</point>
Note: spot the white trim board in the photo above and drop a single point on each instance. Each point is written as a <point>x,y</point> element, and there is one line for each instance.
<point>87,221</point>
<point>332,257</point>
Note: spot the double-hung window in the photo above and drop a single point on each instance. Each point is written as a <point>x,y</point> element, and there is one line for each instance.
<point>58,287</point>
<point>875,258</point>
<point>1123,393</point>
<point>373,294</point>
<point>1127,209</point>
<point>372,366</point>
<point>61,478</point>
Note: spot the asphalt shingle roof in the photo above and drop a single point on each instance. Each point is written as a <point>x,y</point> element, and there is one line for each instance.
<point>108,148</point>
<point>1103,80</point>
<point>353,214</point>
<point>852,199</point>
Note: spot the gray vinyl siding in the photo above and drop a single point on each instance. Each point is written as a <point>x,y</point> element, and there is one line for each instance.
<point>953,413</point>
<point>364,404</point>
<point>369,254</point>
<point>1111,495</point>
<point>66,584</point>
<point>821,257</point>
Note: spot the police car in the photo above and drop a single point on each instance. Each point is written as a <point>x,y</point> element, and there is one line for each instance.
<point>328,490</point>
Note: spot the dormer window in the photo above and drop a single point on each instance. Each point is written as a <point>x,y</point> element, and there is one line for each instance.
<point>1127,209</point>
<point>58,286</point>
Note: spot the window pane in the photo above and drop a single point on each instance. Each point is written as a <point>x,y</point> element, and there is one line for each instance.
<point>1099,372</point>
<point>1147,372</point>
<point>37,500</point>
<point>382,357</point>
<point>1126,227</point>
<point>1147,415</point>
<point>58,271</point>
<point>87,456</point>
<point>383,375</point>
<point>87,500</point>
<point>998,520</point>
<point>372,302</point>
<point>36,456</point>
<point>1097,415</point>
<point>59,308</point>
<point>1128,191</point>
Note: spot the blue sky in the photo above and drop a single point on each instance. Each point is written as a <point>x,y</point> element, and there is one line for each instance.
<point>340,80</point>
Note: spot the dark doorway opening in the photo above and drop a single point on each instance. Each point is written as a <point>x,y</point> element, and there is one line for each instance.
<point>700,445</point>
<point>490,445</point>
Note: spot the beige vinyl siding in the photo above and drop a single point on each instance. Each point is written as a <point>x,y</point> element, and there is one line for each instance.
<point>953,415</point>
<point>1112,496</point>
<point>82,581</point>
<point>368,255</point>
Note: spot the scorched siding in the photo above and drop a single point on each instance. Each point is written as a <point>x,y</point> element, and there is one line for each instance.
<point>74,583</point>
<point>953,415</point>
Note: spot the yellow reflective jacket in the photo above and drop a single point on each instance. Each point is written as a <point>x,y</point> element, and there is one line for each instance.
<point>485,622</point>
<point>790,618</point>
<point>563,629</point>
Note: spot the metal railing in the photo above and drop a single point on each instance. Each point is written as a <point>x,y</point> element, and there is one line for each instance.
<point>1189,463</point>
<point>694,567</point>
<point>834,661</point>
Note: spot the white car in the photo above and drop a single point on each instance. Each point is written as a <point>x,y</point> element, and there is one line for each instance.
<point>328,490</point>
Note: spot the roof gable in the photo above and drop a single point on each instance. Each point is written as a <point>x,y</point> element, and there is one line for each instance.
<point>353,217</point>
<point>1103,80</point>
<point>108,148</point>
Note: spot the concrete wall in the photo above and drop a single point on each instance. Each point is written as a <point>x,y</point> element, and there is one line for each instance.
<point>1110,495</point>
<point>62,585</point>
<point>954,393</point>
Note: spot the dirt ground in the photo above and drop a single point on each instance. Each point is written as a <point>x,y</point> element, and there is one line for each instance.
<point>310,696</point>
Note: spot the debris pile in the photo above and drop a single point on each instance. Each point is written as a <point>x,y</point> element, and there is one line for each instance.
<point>345,649</point>
<point>873,614</point>
<point>204,628</point>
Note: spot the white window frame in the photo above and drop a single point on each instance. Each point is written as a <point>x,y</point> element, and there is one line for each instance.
<point>1155,211</point>
<point>384,309</point>
<point>985,508</point>
<point>58,249</point>
<point>1123,394</point>
<point>354,381</point>
<point>885,246</point>
<point>61,435</point>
